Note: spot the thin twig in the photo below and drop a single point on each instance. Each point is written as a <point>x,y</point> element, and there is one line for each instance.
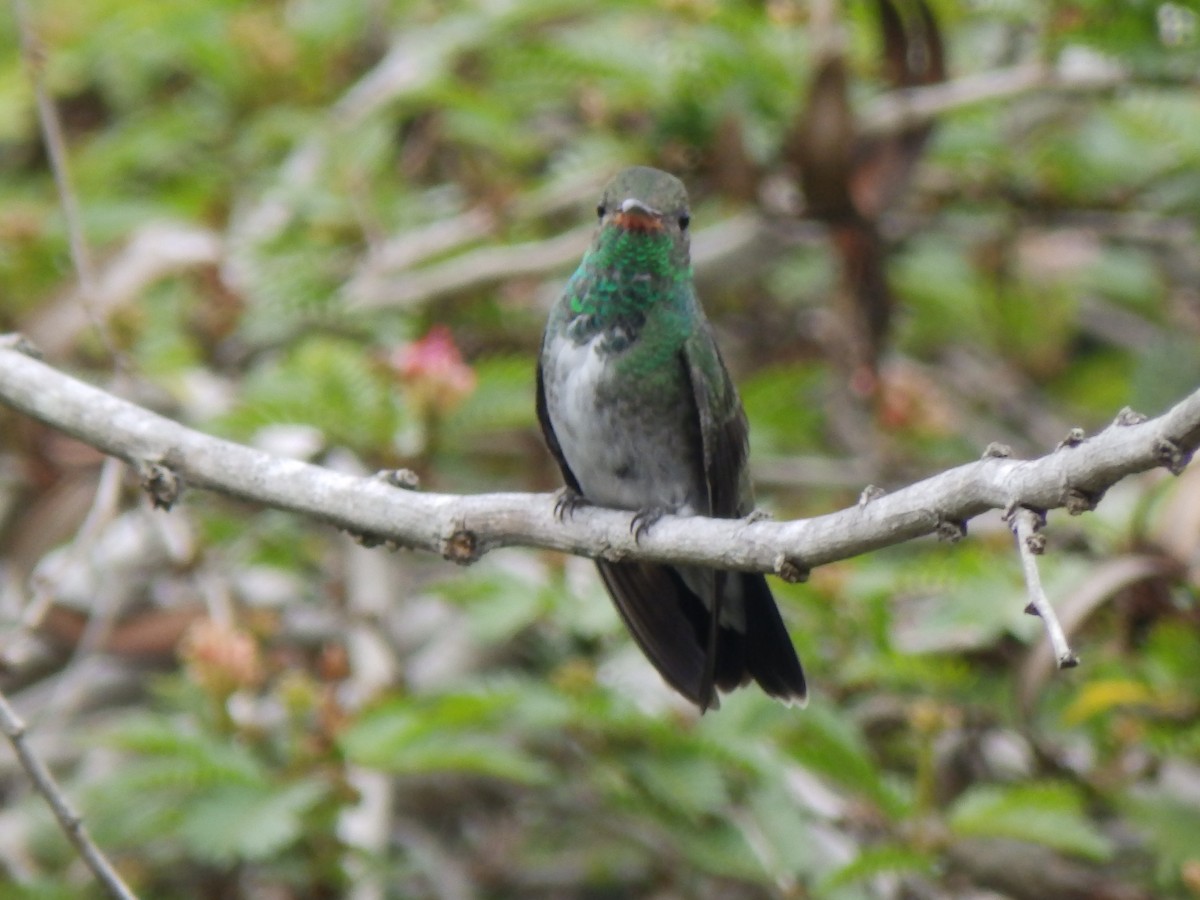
<point>386,279</point>
<point>1026,525</point>
<point>415,60</point>
<point>463,527</point>
<point>153,252</point>
<point>105,502</point>
<point>741,244</point>
<point>103,611</point>
<point>99,514</point>
<point>56,151</point>
<point>901,109</point>
<point>10,723</point>
<point>70,821</point>
<point>407,250</point>
<point>1106,579</point>
<point>480,268</point>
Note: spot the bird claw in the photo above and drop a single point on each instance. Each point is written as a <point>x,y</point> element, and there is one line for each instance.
<point>643,520</point>
<point>567,501</point>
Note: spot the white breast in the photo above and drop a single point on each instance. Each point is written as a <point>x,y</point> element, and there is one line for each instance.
<point>620,459</point>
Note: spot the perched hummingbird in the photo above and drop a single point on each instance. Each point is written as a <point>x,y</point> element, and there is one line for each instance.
<point>638,410</point>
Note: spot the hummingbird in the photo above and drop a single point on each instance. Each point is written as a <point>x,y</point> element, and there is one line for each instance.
<point>638,410</point>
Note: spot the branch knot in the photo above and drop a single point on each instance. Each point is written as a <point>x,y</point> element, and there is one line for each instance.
<point>1074,438</point>
<point>869,493</point>
<point>162,484</point>
<point>1077,501</point>
<point>462,547</point>
<point>1171,455</point>
<point>405,479</point>
<point>20,343</point>
<point>791,569</point>
<point>951,530</point>
<point>1127,417</point>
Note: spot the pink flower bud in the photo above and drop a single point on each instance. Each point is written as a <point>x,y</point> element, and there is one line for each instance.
<point>221,658</point>
<point>433,373</point>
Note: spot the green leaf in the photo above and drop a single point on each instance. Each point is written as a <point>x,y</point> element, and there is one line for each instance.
<point>1047,813</point>
<point>1165,371</point>
<point>945,295</point>
<point>776,818</point>
<point>328,383</point>
<point>828,743</point>
<point>180,756</point>
<point>879,860</point>
<point>234,824</point>
<point>721,849</point>
<point>1171,823</point>
<point>689,784</point>
<point>463,733</point>
<point>784,406</point>
<point>1126,276</point>
<point>502,400</point>
<point>503,595</point>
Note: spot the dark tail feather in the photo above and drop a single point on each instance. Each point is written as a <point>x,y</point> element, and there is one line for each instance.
<point>770,657</point>
<point>675,631</point>
<point>712,648</point>
<point>664,618</point>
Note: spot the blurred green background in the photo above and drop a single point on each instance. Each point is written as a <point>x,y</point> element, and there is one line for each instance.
<point>333,231</point>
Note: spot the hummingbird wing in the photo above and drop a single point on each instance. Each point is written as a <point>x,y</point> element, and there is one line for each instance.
<point>550,437</point>
<point>725,444</point>
<point>724,433</point>
<point>761,649</point>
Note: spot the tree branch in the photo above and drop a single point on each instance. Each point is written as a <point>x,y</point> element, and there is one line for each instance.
<point>56,152</point>
<point>69,820</point>
<point>153,252</point>
<point>1075,73</point>
<point>471,271</point>
<point>738,244</point>
<point>390,281</point>
<point>463,527</point>
<point>11,724</point>
<point>1026,526</point>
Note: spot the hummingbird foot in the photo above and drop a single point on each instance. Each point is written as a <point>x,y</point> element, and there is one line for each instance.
<point>567,501</point>
<point>644,519</point>
<point>757,515</point>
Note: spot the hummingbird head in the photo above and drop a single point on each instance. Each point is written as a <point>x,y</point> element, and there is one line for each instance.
<point>645,202</point>
<point>638,259</point>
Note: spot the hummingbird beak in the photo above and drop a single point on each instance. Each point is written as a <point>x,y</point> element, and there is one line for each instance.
<point>632,204</point>
<point>634,215</point>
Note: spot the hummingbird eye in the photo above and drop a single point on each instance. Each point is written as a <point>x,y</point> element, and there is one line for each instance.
<point>600,211</point>
<point>684,221</point>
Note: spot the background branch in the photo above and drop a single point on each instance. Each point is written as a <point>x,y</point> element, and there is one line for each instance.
<point>68,819</point>
<point>1079,72</point>
<point>155,251</point>
<point>11,725</point>
<point>464,527</point>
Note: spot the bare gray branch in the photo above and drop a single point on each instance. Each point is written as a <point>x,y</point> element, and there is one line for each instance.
<point>462,528</point>
<point>69,820</point>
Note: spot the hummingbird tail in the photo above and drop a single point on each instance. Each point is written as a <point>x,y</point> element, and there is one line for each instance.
<point>662,615</point>
<point>770,657</point>
<point>678,635</point>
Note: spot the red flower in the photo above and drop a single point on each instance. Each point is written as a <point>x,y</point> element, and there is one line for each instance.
<point>433,373</point>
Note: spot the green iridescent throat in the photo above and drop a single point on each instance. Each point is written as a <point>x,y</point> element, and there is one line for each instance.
<point>625,274</point>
